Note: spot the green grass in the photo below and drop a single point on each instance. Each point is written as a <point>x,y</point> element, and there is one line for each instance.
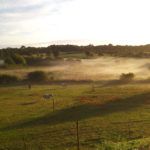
<point>114,114</point>
<point>141,144</point>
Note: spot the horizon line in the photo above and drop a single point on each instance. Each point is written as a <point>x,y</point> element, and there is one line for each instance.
<point>65,42</point>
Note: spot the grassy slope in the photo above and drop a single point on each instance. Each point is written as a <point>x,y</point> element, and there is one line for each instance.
<point>116,114</point>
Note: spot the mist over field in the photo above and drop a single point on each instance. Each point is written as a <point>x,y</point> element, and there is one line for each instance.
<point>106,68</point>
<point>102,68</point>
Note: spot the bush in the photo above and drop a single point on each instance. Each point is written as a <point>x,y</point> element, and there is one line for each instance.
<point>7,79</point>
<point>127,77</point>
<point>18,59</point>
<point>37,76</point>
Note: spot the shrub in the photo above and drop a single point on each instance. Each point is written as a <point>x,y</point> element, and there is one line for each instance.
<point>7,79</point>
<point>37,76</point>
<point>127,77</point>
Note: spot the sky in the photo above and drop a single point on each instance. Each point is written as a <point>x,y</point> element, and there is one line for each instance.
<point>45,22</point>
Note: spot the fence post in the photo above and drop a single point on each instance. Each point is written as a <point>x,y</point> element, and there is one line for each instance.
<point>53,104</point>
<point>77,133</point>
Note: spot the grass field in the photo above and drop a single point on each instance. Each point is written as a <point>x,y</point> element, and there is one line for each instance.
<point>106,114</point>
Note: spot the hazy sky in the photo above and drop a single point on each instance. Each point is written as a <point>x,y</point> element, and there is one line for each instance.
<point>74,21</point>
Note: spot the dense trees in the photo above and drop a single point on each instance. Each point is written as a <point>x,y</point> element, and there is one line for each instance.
<point>20,55</point>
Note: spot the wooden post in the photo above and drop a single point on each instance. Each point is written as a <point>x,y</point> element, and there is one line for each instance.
<point>77,131</point>
<point>29,86</point>
<point>53,104</point>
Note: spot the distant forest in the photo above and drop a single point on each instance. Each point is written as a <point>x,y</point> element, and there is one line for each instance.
<point>33,55</point>
<point>132,51</point>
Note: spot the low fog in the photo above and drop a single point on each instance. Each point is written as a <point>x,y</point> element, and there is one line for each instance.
<point>103,68</point>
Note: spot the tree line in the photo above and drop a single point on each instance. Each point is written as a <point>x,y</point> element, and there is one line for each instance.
<point>30,54</point>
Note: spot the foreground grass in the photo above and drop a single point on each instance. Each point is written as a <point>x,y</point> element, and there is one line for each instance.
<point>105,113</point>
<point>142,144</point>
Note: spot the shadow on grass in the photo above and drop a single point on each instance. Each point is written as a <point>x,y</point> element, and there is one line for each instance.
<point>116,83</point>
<point>28,103</point>
<point>85,111</point>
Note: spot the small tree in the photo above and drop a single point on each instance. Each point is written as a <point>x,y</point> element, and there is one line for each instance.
<point>127,77</point>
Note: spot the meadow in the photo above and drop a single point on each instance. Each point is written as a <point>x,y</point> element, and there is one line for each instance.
<point>110,117</point>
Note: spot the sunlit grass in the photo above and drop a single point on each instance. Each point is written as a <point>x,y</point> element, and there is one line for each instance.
<point>109,113</point>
